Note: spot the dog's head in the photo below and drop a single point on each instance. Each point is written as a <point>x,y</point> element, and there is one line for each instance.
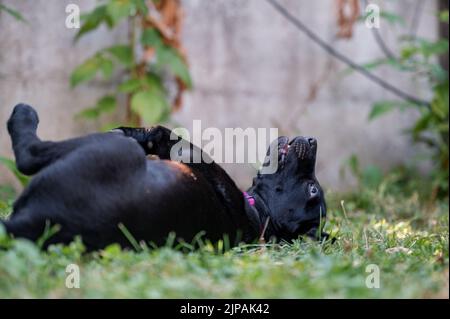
<point>292,195</point>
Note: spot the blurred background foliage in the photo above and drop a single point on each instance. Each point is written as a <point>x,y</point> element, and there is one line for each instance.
<point>12,12</point>
<point>420,57</point>
<point>152,56</point>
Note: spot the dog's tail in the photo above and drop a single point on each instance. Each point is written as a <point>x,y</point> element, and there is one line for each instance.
<point>4,224</point>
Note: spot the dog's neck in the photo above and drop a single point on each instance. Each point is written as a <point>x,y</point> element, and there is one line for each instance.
<point>258,213</point>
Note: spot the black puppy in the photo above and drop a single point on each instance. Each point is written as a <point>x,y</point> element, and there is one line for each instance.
<point>91,185</point>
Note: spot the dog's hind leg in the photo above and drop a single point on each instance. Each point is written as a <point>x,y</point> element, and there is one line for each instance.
<point>30,152</point>
<point>22,126</point>
<point>24,226</point>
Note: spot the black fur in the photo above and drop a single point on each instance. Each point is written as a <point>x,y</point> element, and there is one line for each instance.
<point>90,185</point>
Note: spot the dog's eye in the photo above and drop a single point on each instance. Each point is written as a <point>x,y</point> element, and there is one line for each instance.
<point>313,190</point>
<point>278,189</point>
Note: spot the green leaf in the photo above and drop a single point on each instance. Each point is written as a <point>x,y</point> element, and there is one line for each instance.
<point>151,38</point>
<point>11,165</point>
<point>168,57</point>
<point>392,18</point>
<point>440,103</point>
<point>437,72</point>
<point>421,124</point>
<point>104,105</point>
<point>408,52</point>
<point>443,127</point>
<point>374,64</point>
<point>443,16</point>
<point>14,13</point>
<point>123,53</point>
<point>89,113</point>
<point>91,21</point>
<point>154,81</point>
<point>141,7</point>
<point>424,48</point>
<point>381,108</point>
<point>107,68</point>
<point>353,164</point>
<point>150,105</point>
<point>130,86</point>
<point>111,252</point>
<point>429,48</point>
<point>372,176</point>
<point>85,71</point>
<point>119,9</point>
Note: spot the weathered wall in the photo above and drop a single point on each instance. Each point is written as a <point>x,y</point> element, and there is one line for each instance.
<point>251,68</point>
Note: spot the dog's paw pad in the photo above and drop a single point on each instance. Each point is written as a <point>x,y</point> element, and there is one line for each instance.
<point>23,117</point>
<point>117,131</point>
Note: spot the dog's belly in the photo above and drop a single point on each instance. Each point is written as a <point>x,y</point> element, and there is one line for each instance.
<point>177,199</point>
<point>174,199</point>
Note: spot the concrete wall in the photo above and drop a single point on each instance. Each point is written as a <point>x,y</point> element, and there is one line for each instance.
<point>250,67</point>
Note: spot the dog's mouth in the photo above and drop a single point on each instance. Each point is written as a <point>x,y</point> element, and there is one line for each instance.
<point>303,149</point>
<point>308,226</point>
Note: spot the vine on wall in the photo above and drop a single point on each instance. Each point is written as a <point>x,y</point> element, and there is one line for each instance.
<point>152,55</point>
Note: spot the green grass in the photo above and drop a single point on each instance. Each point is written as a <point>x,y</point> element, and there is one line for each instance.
<point>399,230</point>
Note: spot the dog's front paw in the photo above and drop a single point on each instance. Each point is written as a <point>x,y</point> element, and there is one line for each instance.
<point>159,141</point>
<point>155,140</point>
<point>23,117</point>
<point>157,136</point>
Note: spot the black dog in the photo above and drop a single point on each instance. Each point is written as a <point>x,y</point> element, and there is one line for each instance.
<point>91,185</point>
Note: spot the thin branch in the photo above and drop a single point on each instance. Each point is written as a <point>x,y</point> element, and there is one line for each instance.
<point>376,34</point>
<point>416,18</point>
<point>302,27</point>
<point>387,52</point>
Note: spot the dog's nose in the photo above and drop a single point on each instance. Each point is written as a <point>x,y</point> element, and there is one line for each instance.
<point>312,141</point>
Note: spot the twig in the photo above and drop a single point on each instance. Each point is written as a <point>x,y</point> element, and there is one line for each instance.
<point>132,117</point>
<point>366,240</point>
<point>416,18</point>
<point>262,241</point>
<point>376,34</point>
<point>344,210</point>
<point>302,27</point>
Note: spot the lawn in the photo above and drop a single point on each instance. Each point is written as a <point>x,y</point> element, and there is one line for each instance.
<point>402,232</point>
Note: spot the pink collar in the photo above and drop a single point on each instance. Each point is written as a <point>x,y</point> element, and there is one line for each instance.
<point>250,199</point>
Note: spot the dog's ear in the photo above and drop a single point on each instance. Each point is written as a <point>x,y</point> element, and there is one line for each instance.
<point>270,163</point>
<point>276,144</point>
